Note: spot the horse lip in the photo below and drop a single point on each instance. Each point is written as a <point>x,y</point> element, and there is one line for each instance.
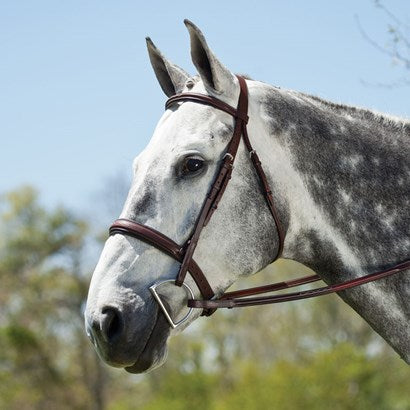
<point>103,354</point>
<point>141,365</point>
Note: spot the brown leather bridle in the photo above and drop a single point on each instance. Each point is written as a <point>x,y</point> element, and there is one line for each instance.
<point>184,253</point>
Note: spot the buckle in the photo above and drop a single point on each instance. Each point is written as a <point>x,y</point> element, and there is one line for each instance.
<point>156,296</point>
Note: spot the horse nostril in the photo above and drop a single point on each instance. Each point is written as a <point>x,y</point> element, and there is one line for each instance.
<point>111,323</point>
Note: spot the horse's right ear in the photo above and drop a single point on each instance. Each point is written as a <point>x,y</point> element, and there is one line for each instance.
<point>171,78</point>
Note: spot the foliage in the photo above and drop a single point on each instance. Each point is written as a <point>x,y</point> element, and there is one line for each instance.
<point>41,298</point>
<point>249,359</point>
<point>342,377</point>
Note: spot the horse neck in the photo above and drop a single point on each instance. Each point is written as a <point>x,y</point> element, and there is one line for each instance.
<point>343,173</point>
<point>341,182</point>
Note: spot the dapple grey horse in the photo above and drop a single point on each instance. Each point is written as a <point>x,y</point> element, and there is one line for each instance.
<point>340,178</point>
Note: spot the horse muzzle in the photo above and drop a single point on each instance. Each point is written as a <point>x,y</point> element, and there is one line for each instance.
<point>124,337</point>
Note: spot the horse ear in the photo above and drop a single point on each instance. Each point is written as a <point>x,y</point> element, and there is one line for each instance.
<point>171,78</point>
<point>216,77</point>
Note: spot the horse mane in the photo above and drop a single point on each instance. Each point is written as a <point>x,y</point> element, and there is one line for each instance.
<point>389,121</point>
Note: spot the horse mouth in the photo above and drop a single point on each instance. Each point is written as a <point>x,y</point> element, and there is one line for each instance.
<point>154,352</point>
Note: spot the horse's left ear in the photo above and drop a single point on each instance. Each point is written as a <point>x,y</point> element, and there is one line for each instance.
<point>216,77</point>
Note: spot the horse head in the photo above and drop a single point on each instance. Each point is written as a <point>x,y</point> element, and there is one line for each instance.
<point>172,177</point>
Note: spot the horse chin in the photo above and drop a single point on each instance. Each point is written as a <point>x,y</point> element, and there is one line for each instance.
<point>155,351</point>
<point>146,364</point>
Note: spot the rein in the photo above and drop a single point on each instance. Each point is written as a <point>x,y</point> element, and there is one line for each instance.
<point>184,253</point>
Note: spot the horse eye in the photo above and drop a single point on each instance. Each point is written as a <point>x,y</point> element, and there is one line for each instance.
<point>192,165</point>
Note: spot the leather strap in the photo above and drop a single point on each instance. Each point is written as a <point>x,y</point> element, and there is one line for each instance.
<point>184,253</point>
<point>236,299</point>
<point>164,244</point>
<point>208,100</point>
<point>267,192</point>
<point>224,174</point>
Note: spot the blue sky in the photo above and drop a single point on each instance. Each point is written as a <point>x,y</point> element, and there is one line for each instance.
<point>78,98</point>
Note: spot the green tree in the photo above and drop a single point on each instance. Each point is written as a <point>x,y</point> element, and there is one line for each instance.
<point>340,378</point>
<point>45,361</point>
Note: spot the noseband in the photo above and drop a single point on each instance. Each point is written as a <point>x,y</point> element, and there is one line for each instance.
<point>184,253</point>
